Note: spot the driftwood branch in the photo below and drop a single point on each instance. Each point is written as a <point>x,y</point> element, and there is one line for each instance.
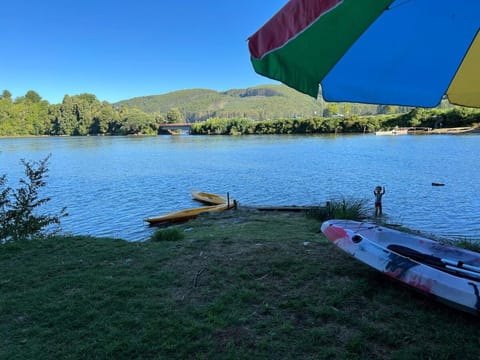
<point>194,283</point>
<point>195,280</point>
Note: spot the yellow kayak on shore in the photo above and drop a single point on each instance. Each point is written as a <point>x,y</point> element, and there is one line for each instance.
<point>187,214</point>
<point>207,198</point>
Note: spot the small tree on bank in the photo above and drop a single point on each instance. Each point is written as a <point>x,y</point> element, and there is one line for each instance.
<point>19,219</point>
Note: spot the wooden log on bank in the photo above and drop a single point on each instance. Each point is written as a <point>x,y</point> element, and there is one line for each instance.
<point>293,208</point>
<point>280,208</point>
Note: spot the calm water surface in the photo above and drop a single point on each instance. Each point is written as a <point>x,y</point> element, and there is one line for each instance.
<point>110,184</point>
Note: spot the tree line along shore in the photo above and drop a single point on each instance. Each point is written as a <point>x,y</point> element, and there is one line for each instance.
<point>84,114</point>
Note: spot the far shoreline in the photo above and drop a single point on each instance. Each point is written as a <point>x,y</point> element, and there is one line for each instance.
<point>457,130</point>
<point>439,131</point>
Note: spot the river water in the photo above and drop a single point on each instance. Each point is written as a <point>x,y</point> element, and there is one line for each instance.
<point>110,184</point>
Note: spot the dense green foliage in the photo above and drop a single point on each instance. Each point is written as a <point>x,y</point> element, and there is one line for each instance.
<point>351,209</point>
<point>348,209</point>
<point>273,109</point>
<point>437,118</point>
<point>19,217</point>
<point>77,115</point>
<point>432,118</point>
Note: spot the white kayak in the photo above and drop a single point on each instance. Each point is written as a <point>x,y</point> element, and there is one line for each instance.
<point>449,273</point>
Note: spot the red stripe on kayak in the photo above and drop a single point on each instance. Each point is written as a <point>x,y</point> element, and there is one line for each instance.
<point>333,233</point>
<point>283,26</point>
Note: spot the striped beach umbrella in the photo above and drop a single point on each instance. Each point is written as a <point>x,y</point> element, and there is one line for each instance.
<point>403,52</point>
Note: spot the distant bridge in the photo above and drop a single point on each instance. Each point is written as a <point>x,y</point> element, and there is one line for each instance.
<point>175,127</point>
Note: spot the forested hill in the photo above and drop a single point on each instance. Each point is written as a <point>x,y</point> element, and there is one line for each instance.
<point>257,103</point>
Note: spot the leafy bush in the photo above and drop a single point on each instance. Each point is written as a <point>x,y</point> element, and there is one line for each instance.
<point>348,209</point>
<point>18,216</point>
<point>170,234</point>
<point>341,209</point>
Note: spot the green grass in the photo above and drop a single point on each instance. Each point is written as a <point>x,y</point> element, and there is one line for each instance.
<point>168,234</point>
<point>240,285</point>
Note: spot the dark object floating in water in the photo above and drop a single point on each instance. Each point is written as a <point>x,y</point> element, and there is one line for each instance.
<point>437,184</point>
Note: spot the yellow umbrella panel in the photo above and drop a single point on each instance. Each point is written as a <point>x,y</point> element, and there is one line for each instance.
<point>465,87</point>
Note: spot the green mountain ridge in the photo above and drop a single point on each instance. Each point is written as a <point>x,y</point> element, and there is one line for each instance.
<point>259,103</point>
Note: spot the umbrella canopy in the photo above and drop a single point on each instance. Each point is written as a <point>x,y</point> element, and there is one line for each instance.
<point>403,52</point>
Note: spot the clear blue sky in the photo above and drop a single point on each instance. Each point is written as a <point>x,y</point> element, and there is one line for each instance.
<point>128,48</point>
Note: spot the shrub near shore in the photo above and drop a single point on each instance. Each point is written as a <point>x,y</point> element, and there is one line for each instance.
<point>433,118</point>
<point>240,284</point>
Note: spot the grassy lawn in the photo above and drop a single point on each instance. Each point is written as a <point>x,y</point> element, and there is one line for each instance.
<point>239,285</point>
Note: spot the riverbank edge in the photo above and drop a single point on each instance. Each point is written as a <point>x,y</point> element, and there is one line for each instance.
<point>439,131</point>
<point>457,130</point>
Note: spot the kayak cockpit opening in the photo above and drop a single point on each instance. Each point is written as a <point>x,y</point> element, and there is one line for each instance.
<point>356,238</point>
